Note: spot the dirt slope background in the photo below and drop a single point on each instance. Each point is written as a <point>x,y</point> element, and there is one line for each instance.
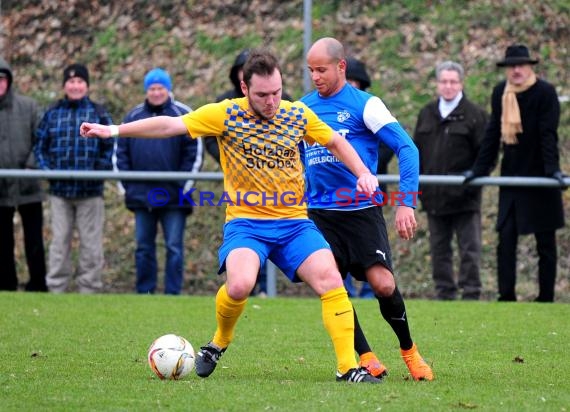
<point>196,41</point>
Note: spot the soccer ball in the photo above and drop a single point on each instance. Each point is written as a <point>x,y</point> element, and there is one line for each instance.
<point>171,357</point>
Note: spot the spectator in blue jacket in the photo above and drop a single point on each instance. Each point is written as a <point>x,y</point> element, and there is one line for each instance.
<point>76,203</point>
<point>158,202</point>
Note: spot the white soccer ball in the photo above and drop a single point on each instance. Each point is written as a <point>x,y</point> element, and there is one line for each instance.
<point>171,357</point>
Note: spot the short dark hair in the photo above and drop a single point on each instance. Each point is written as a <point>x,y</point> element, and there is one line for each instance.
<point>261,62</point>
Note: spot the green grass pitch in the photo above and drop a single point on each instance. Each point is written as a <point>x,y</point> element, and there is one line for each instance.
<point>88,353</point>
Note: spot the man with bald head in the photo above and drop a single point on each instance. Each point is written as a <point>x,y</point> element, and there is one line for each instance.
<point>351,221</point>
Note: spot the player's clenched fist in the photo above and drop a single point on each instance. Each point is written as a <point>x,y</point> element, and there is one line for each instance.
<point>96,130</point>
<point>367,183</point>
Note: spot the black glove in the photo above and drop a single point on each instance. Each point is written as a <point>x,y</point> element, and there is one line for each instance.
<point>469,176</point>
<point>560,177</point>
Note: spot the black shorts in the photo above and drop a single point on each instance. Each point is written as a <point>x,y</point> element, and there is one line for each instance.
<point>358,238</point>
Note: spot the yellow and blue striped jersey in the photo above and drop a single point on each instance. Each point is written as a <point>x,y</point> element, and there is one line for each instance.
<point>263,172</point>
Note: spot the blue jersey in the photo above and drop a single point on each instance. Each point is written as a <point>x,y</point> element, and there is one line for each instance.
<point>364,121</point>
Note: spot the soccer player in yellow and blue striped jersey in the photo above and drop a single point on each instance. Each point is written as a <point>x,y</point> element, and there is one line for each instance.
<point>266,213</point>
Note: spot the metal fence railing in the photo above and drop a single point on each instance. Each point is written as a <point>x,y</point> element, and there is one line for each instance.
<point>218,176</point>
<point>452,180</point>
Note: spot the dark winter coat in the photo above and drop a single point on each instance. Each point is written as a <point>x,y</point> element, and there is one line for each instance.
<point>19,118</point>
<point>448,147</point>
<point>536,154</point>
<point>173,154</point>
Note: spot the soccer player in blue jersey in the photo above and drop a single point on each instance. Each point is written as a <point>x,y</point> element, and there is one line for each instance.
<point>259,137</point>
<point>351,221</point>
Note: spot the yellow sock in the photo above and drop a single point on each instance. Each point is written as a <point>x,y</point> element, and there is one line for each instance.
<point>228,312</point>
<point>338,317</point>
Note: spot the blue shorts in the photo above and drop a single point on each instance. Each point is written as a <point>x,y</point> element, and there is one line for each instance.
<point>287,242</point>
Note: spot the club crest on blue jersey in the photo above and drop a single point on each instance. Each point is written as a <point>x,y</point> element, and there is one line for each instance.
<point>342,116</point>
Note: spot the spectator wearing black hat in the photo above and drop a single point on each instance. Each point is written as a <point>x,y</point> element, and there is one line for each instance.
<point>525,113</point>
<point>74,203</point>
<point>19,117</point>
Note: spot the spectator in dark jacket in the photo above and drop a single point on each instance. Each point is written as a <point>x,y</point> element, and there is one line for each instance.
<point>76,203</point>
<point>19,118</point>
<point>158,202</point>
<point>525,113</point>
<point>448,135</point>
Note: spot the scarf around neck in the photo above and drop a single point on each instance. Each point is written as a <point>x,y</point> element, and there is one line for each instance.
<point>446,107</point>
<point>511,117</point>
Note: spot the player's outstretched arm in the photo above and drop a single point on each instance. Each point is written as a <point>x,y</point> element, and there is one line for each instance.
<point>152,127</point>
